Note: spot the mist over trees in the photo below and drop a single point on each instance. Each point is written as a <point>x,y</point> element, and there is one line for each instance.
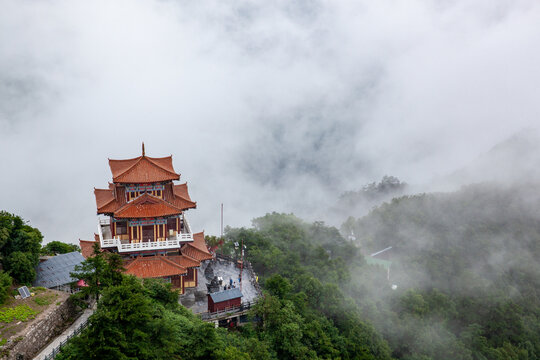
<point>304,313</point>
<point>513,160</point>
<point>359,202</point>
<point>465,265</point>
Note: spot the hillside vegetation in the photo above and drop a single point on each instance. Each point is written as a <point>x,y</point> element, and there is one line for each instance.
<point>303,314</point>
<point>466,266</point>
<point>20,245</point>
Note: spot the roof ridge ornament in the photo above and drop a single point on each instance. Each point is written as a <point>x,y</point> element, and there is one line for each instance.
<point>143,148</point>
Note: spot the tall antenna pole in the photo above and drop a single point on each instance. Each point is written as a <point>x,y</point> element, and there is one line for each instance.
<point>221,221</point>
<point>242,263</point>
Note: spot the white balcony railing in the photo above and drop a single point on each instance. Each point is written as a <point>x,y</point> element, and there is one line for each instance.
<point>126,246</point>
<point>110,242</point>
<point>157,245</point>
<point>184,237</point>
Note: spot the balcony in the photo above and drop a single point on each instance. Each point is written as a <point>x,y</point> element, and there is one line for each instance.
<point>173,241</point>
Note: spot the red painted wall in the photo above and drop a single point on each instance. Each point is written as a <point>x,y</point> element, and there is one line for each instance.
<point>213,307</point>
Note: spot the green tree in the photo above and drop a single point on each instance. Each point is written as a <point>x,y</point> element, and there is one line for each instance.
<point>212,240</point>
<point>58,247</point>
<point>98,272</point>
<point>19,241</point>
<point>21,267</point>
<point>5,286</point>
<point>126,325</point>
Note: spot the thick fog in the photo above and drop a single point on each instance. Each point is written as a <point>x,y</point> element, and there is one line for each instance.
<point>265,106</point>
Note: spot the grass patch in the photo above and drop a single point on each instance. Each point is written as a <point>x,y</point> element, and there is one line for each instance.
<point>3,342</point>
<point>20,312</point>
<point>45,299</point>
<point>42,301</point>
<point>38,289</point>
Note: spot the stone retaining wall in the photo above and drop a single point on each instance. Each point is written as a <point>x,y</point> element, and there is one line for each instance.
<point>26,345</point>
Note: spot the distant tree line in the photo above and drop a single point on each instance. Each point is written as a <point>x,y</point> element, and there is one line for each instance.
<point>358,202</point>
<point>57,247</point>
<point>467,270</point>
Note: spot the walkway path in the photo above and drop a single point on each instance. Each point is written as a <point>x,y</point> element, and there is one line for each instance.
<point>49,348</point>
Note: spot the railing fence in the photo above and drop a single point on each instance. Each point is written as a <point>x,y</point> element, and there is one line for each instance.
<point>244,306</point>
<point>75,332</point>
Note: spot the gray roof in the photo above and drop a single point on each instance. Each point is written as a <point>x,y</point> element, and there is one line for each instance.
<point>55,271</point>
<point>226,295</point>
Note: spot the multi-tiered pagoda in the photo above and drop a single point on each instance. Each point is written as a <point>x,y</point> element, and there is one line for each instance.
<point>142,218</point>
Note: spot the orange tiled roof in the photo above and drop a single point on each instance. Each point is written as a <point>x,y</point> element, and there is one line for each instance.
<point>154,267</point>
<point>107,203</point>
<point>143,169</point>
<point>197,249</point>
<point>146,206</point>
<point>87,247</point>
<point>180,196</point>
<point>199,243</point>
<point>184,261</point>
<point>104,199</point>
<point>181,190</point>
<point>196,254</point>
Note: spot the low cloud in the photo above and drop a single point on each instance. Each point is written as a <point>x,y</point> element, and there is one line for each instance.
<point>264,106</point>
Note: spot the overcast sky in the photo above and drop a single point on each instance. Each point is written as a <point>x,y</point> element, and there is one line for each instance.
<point>264,105</point>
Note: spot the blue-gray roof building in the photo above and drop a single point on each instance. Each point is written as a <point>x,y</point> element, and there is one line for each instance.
<point>54,272</point>
<point>223,300</point>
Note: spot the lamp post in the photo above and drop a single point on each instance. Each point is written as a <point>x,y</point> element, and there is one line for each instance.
<point>241,263</point>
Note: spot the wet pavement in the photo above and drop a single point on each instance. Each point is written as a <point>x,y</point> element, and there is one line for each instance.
<point>196,298</point>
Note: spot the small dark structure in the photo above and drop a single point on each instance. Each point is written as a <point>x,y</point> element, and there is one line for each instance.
<point>213,286</point>
<point>223,300</point>
<point>54,272</point>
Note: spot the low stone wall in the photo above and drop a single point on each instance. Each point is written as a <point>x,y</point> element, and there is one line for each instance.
<point>26,345</point>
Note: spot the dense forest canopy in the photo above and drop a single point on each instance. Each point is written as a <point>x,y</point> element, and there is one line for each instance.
<point>464,284</point>
<point>466,268</point>
<point>302,315</point>
<point>20,245</point>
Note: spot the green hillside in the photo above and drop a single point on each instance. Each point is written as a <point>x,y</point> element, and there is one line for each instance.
<point>466,266</point>
<point>464,263</point>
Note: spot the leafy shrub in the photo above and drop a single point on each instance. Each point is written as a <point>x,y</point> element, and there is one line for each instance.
<point>21,267</point>
<point>20,312</point>
<point>5,285</point>
<point>20,246</point>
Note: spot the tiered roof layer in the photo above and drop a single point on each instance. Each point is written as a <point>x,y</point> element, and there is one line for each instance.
<point>146,206</point>
<point>154,267</point>
<point>159,265</point>
<point>143,169</point>
<point>113,201</point>
<point>184,261</point>
<point>197,249</point>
